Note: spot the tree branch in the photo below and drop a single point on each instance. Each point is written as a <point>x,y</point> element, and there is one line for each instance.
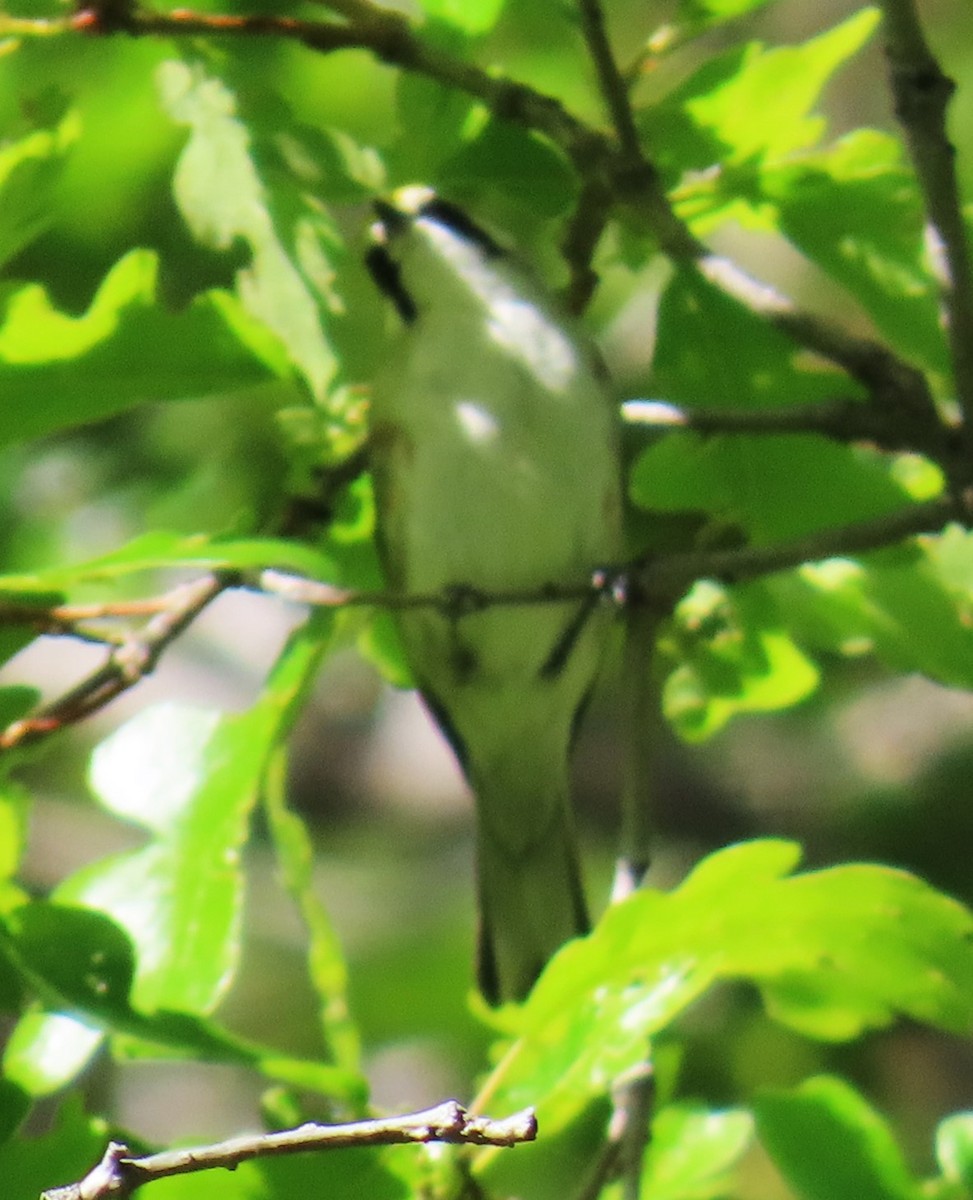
<point>845,419</point>
<point>118,1174</point>
<point>658,583</point>
<point>613,88</point>
<point>670,576</point>
<point>921,93</point>
<point>130,659</point>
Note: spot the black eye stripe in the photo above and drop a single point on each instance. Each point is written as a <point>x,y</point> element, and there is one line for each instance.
<point>454,218</point>
<point>385,271</point>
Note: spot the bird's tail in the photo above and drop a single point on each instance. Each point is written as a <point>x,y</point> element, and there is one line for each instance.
<point>531,901</point>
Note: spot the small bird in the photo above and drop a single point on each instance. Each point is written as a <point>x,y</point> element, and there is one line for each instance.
<point>494,453</point>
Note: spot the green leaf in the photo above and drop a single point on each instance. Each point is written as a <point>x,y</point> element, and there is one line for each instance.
<point>347,1175</point>
<point>191,777</point>
<point>500,157</point>
<point>14,1106</point>
<point>62,1155</point>
<point>471,16</point>
<point>764,109</point>
<point>425,106</point>
<point>856,211</point>
<point>773,487</point>
<point>733,656</point>
<point>59,371</point>
<point>80,965</point>
<point>224,196</point>
<point>702,13</point>
<point>161,550</point>
<point>29,171</point>
<point>830,1144</point>
<point>697,322</point>
<point>954,1149</point>
<point>692,1152</point>
<point>894,604</point>
<point>48,1050</point>
<point>833,953</point>
<point>14,813</point>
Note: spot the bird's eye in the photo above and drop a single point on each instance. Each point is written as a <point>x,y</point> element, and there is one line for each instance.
<point>459,222</point>
<point>388,278</point>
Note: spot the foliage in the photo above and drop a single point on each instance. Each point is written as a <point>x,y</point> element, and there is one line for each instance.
<point>182,222</point>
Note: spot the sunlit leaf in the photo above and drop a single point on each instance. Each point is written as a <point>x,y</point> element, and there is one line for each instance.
<point>224,196</point>
<point>833,953</point>
<point>855,209</point>
<point>326,963</point>
<point>190,776</point>
<point>734,655</point>
<point>161,550</point>
<point>765,109</point>
<point>59,371</point>
<point>472,16</point>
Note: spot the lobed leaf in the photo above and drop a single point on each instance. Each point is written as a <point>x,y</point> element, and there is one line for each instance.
<point>60,371</point>
<point>832,952</point>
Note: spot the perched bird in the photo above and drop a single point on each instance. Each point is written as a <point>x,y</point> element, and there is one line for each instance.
<point>496,467</point>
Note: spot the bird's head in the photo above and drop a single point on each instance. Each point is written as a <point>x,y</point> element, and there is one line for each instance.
<point>426,252</point>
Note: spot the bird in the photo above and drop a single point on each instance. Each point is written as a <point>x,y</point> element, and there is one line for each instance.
<point>494,454</point>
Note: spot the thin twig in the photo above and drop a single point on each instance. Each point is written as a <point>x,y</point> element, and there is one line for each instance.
<point>671,575</point>
<point>118,1174</point>
<point>845,420</point>
<point>130,659</point>
<point>659,583</point>
<point>581,237</point>
<point>610,80</point>
<point>921,92</point>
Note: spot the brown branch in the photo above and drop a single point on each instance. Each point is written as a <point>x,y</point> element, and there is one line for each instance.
<point>921,93</point>
<point>841,420</point>
<point>670,576</point>
<point>621,1156</point>
<point>458,601</point>
<point>130,659</point>
<point>581,237</point>
<point>606,162</point>
<point>659,581</point>
<point>118,1174</point>
<point>613,88</point>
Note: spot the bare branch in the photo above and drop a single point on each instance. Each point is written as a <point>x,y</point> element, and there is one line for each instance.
<point>118,1174</point>
<point>922,93</point>
<point>672,575</point>
<point>130,659</point>
<point>610,79</point>
<point>658,582</point>
<point>845,420</point>
<point>581,237</point>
